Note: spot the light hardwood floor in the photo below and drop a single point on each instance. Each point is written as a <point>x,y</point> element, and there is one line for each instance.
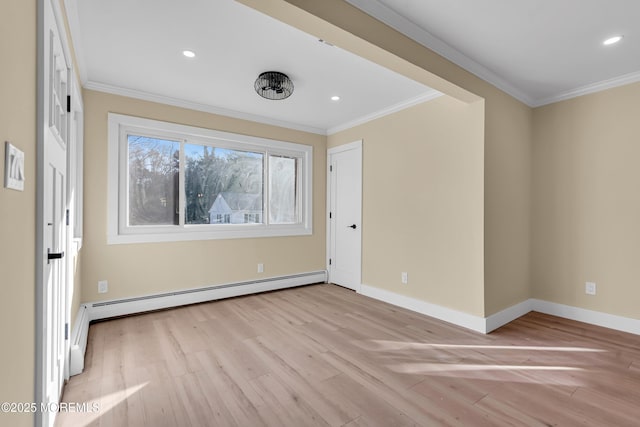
<point>323,355</point>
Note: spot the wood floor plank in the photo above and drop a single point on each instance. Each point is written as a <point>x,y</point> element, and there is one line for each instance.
<point>371,406</point>
<point>438,391</point>
<point>298,385</point>
<point>161,395</point>
<point>322,355</point>
<point>161,406</point>
<point>285,405</point>
<point>613,410</point>
<point>235,391</point>
<point>543,404</point>
<point>422,413</point>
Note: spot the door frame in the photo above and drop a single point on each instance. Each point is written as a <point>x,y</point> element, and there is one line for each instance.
<point>357,145</point>
<point>74,205</point>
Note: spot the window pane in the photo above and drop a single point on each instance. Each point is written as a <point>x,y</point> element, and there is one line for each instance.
<point>223,186</point>
<point>153,181</point>
<point>283,188</point>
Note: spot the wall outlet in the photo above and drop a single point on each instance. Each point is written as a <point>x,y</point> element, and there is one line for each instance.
<point>103,287</point>
<point>260,268</point>
<point>404,277</point>
<point>590,288</point>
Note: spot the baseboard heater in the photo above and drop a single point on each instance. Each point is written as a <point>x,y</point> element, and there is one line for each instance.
<point>79,337</point>
<point>121,307</point>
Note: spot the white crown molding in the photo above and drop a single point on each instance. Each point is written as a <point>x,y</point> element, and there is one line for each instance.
<point>161,99</point>
<point>590,88</point>
<point>398,22</point>
<point>427,96</point>
<point>383,14</point>
<point>71,10</point>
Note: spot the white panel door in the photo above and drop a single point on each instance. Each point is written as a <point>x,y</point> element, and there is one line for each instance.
<point>345,215</point>
<point>54,126</point>
<point>55,281</point>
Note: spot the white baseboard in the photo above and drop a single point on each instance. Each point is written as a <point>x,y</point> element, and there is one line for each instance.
<point>107,309</point>
<point>507,315</point>
<point>487,324</point>
<point>611,321</point>
<point>475,323</point>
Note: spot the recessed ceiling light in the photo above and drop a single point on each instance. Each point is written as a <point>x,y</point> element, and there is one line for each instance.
<point>335,98</point>
<point>189,53</point>
<point>612,40</point>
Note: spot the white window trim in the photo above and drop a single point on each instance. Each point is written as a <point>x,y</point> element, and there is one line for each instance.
<point>118,233</point>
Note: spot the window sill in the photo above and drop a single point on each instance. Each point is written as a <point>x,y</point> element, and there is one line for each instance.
<point>193,233</point>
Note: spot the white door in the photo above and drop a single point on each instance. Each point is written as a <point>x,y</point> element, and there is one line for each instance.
<point>54,292</point>
<point>54,133</point>
<point>345,215</point>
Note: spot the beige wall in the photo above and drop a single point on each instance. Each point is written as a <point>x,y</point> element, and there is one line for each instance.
<point>18,209</point>
<point>423,202</point>
<point>140,269</point>
<point>76,291</point>
<point>584,214</point>
<point>508,130</point>
<point>586,201</point>
<point>507,201</point>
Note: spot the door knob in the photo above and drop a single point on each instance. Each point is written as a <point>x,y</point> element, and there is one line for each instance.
<point>352,226</point>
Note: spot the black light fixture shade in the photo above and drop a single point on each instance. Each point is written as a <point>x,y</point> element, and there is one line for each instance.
<point>273,85</point>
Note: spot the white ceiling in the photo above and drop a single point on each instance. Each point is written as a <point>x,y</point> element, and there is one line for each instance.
<point>135,48</point>
<point>539,51</point>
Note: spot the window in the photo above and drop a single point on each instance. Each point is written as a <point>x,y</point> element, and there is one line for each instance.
<point>153,181</point>
<point>170,182</point>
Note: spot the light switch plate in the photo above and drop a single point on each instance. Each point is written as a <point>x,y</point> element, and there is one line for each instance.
<point>13,167</point>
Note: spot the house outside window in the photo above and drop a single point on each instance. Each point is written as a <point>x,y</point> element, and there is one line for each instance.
<point>170,182</point>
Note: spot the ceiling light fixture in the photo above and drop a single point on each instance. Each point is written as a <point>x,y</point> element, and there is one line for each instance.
<point>273,85</point>
<point>612,40</point>
<point>335,98</point>
<point>189,53</point>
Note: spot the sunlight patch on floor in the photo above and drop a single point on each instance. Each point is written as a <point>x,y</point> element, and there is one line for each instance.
<point>384,345</point>
<point>422,368</point>
<point>105,404</point>
<point>530,374</point>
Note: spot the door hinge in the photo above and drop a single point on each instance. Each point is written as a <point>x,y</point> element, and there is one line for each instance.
<point>68,103</point>
<point>331,168</point>
<point>66,331</point>
<point>330,215</point>
<point>329,261</point>
<point>67,216</point>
